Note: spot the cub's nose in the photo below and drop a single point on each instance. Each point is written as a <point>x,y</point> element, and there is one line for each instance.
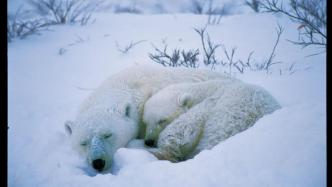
<point>98,164</point>
<point>149,142</point>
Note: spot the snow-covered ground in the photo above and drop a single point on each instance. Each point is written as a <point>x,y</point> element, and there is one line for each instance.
<point>45,88</point>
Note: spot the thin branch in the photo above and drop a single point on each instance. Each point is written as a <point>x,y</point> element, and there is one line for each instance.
<point>176,58</point>
<point>131,45</point>
<point>209,47</point>
<point>310,14</point>
<point>270,62</point>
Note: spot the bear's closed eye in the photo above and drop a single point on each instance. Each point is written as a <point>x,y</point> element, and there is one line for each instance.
<point>84,143</point>
<point>105,136</point>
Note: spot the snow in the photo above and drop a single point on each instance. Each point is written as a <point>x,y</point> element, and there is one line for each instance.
<point>285,148</point>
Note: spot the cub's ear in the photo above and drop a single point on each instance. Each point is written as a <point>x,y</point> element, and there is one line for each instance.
<point>69,127</point>
<point>185,100</point>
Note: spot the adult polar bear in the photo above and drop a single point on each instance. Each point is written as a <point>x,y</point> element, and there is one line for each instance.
<point>215,110</point>
<point>111,116</point>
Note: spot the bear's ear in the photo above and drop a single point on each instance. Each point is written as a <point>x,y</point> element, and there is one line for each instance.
<point>69,127</point>
<point>185,100</point>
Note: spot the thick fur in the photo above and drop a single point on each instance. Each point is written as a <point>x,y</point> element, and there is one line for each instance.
<point>169,103</point>
<point>226,109</point>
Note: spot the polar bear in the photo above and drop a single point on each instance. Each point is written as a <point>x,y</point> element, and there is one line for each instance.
<point>169,103</point>
<point>229,108</point>
<point>112,115</point>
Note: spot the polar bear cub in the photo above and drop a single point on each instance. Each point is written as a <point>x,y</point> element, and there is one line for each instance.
<point>166,105</point>
<point>213,111</point>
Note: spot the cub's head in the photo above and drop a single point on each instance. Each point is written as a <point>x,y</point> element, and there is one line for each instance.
<point>161,109</point>
<point>98,132</point>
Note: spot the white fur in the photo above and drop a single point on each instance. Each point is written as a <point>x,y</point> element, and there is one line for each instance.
<point>221,109</point>
<point>116,108</point>
<point>168,104</point>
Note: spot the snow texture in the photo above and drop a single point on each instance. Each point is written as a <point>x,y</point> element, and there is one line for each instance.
<point>286,148</point>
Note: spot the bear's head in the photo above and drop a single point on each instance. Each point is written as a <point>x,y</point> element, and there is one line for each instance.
<point>98,132</point>
<point>161,109</point>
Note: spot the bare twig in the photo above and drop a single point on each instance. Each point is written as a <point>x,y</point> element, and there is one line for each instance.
<point>197,6</point>
<point>309,14</point>
<point>65,11</point>
<point>189,58</point>
<point>131,45</point>
<point>177,58</point>
<point>254,4</point>
<point>291,69</point>
<point>209,48</point>
<point>18,26</point>
<point>230,58</point>
<point>314,54</point>
<point>62,51</point>
<point>270,61</point>
<point>244,65</point>
<point>215,13</point>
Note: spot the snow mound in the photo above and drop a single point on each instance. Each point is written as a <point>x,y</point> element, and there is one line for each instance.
<point>131,157</point>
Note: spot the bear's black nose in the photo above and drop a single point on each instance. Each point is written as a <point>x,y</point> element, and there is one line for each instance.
<point>149,142</point>
<point>98,164</point>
